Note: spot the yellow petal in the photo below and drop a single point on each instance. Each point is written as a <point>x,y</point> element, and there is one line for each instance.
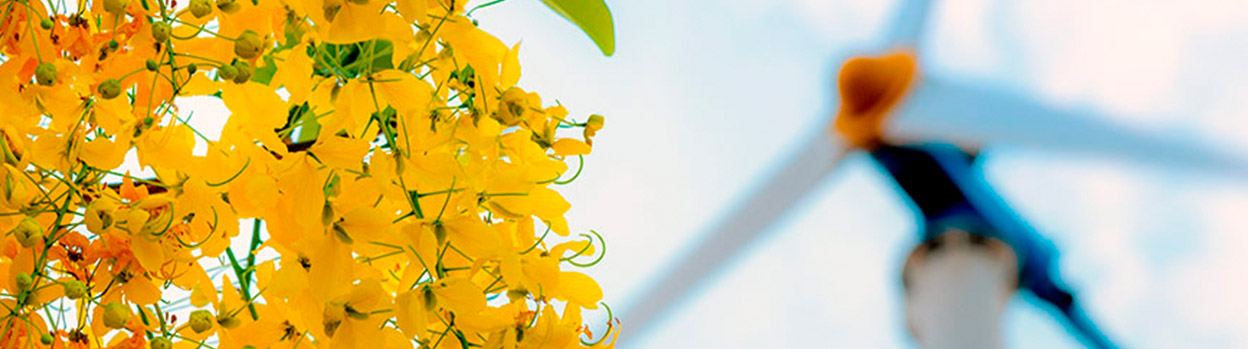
<point>141,290</point>
<point>148,251</point>
<point>295,74</point>
<point>550,207</point>
<point>203,293</point>
<point>103,153</point>
<point>135,220</point>
<point>410,314</point>
<point>341,152</point>
<point>511,68</point>
<point>403,91</point>
<point>580,289</point>
<point>474,237</point>
<point>460,295</point>
<point>411,10</point>
<point>570,147</point>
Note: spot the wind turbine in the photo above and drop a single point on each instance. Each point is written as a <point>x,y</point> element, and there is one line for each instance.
<point>936,109</point>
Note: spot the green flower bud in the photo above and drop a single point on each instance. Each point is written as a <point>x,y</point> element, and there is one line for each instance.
<point>439,233</point>
<point>512,106</point>
<point>228,6</point>
<point>191,68</point>
<point>151,64</point>
<point>227,72</point>
<point>200,8</point>
<point>160,343</point>
<point>355,314</point>
<point>201,321</point>
<point>327,214</point>
<point>116,315</point>
<point>46,23</point>
<point>330,9</point>
<point>116,6</point>
<point>517,294</point>
<point>341,234</point>
<point>28,232</point>
<point>332,317</point>
<point>46,339</point>
<point>431,299</point>
<point>160,31</point>
<point>248,45</point>
<point>24,281</point>
<point>45,74</point>
<point>244,71</point>
<point>229,322</point>
<point>109,89</point>
<point>113,44</point>
<point>74,289</point>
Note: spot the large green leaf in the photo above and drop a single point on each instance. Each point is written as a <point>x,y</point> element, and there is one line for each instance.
<point>592,16</point>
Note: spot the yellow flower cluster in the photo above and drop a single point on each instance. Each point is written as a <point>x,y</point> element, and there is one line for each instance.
<point>380,149</point>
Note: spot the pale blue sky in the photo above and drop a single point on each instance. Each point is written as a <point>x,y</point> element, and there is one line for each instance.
<point>703,97</point>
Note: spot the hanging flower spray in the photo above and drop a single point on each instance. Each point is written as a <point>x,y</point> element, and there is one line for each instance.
<point>379,151</point>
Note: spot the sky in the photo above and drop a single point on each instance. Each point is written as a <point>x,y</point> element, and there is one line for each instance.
<point>704,99</point>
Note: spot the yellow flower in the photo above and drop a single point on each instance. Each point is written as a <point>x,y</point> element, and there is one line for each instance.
<point>385,150</point>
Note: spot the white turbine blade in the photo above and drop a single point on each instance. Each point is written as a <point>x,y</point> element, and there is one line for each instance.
<point>941,110</point>
<point>749,219</point>
<point>908,23</point>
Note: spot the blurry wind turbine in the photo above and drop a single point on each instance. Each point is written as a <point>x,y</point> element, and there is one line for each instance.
<point>933,109</point>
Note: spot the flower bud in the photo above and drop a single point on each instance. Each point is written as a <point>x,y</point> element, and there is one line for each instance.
<point>327,214</point>
<point>227,72</point>
<point>46,339</point>
<point>341,234</point>
<point>151,64</point>
<point>330,9</point>
<point>228,6</point>
<point>248,45</point>
<point>160,31</point>
<point>191,68</point>
<point>355,314</point>
<point>24,281</point>
<point>45,74</point>
<point>200,8</point>
<point>228,322</point>
<point>116,315</point>
<point>113,44</point>
<point>592,126</point>
<point>244,72</point>
<point>431,299</point>
<point>74,289</point>
<point>439,233</point>
<point>28,232</point>
<point>109,89</point>
<point>46,23</point>
<point>201,321</point>
<point>116,6</point>
<point>99,216</point>
<point>161,343</point>
<point>512,106</point>
<point>332,317</point>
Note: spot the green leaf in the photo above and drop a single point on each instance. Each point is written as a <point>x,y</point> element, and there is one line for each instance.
<point>592,16</point>
<point>265,74</point>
